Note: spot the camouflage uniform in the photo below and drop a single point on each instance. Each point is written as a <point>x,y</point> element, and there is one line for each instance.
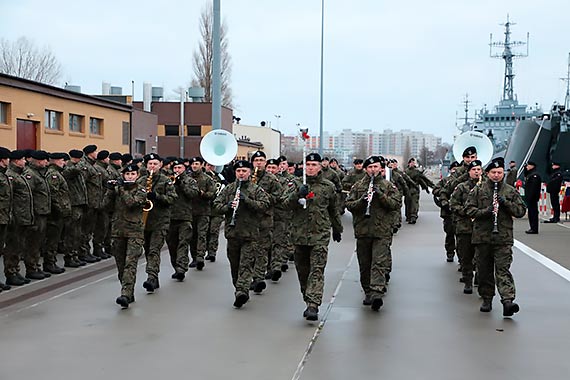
<point>5,206</point>
<point>351,178</point>
<point>22,219</point>
<point>74,175</point>
<point>463,228</point>
<point>127,233</point>
<point>216,220</point>
<point>201,215</point>
<point>311,229</point>
<point>113,174</point>
<point>511,177</point>
<point>398,180</point>
<point>413,201</point>
<point>162,194</point>
<point>243,235</point>
<point>282,248</point>
<point>102,214</point>
<point>374,233</point>
<point>180,231</point>
<point>494,250</point>
<point>447,216</point>
<point>94,185</point>
<point>60,210</point>
<point>35,235</point>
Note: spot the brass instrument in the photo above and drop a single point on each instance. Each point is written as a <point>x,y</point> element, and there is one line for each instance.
<point>369,195</point>
<point>148,205</point>
<point>236,201</point>
<point>254,176</point>
<point>219,187</point>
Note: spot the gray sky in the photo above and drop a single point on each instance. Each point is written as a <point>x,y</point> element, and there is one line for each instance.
<point>397,65</point>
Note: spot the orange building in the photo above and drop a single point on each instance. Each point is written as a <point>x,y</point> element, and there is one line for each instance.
<point>38,116</point>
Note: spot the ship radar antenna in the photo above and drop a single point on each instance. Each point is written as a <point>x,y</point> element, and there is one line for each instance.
<point>507,53</point>
<point>567,80</point>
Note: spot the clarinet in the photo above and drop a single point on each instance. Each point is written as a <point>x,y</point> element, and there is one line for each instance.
<point>495,208</point>
<point>236,201</point>
<point>369,195</point>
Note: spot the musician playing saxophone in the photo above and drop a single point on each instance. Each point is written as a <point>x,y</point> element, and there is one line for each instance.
<point>494,211</point>
<point>160,190</point>
<point>371,201</point>
<point>242,203</point>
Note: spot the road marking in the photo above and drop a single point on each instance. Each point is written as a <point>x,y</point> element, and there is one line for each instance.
<point>550,264</point>
<point>305,358</point>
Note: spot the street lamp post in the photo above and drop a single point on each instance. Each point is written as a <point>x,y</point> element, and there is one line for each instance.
<point>322,76</point>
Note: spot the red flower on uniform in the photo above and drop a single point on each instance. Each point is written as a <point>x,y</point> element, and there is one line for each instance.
<point>311,195</point>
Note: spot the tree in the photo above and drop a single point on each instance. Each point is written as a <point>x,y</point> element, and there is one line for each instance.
<point>202,58</point>
<point>22,58</point>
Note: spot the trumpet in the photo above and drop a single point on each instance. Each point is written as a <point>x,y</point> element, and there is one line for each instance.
<point>236,202</point>
<point>219,188</point>
<point>254,176</point>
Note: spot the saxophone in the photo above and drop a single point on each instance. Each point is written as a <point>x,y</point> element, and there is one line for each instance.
<point>254,176</point>
<point>148,205</point>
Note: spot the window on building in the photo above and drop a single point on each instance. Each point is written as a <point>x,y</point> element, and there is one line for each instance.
<point>96,126</point>
<point>4,108</point>
<point>53,120</point>
<point>126,132</point>
<point>76,123</point>
<point>194,130</point>
<point>171,130</point>
<point>140,147</point>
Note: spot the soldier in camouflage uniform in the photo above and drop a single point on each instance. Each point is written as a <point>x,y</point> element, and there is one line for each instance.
<point>314,213</point>
<point>200,213</point>
<point>114,174</point>
<point>5,202</point>
<point>413,201</point>
<point>331,174</point>
<point>270,184</point>
<point>74,174</point>
<point>242,204</point>
<point>511,177</point>
<point>94,185</point>
<point>60,210</point>
<point>397,179</point>
<point>446,214</point>
<point>463,225</point>
<point>34,236</point>
<point>286,176</point>
<point>371,201</point>
<point>180,231</point>
<point>128,198</point>
<point>494,249</point>
<point>160,191</point>
<point>103,213</point>
<point>216,220</point>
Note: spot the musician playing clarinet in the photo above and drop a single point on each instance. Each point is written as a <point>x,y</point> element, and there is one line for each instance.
<point>243,203</point>
<point>492,206</point>
<point>371,201</point>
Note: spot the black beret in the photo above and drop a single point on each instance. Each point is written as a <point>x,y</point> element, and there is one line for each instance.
<point>259,153</point>
<point>334,160</point>
<point>177,161</point>
<point>137,161</point>
<point>273,161</point>
<point>469,151</point>
<point>454,164</point>
<point>358,161</point>
<point>325,158</point>
<point>186,160</point>
<point>4,153</point>
<point>75,153</point>
<point>474,163</point>
<point>130,168</point>
<point>290,164</point>
<point>57,156</point>
<point>28,153</point>
<point>372,160</point>
<point>89,149</point>
<point>167,160</point>
<point>115,156</point>
<point>126,157</point>
<point>498,162</point>
<point>531,163</point>
<point>314,157</point>
<point>17,154</point>
<point>242,164</point>
<point>66,156</point>
<point>281,159</point>
<point>411,159</point>
<point>513,162</point>
<point>102,154</point>
<point>151,156</point>
<point>196,159</point>
<point>39,155</point>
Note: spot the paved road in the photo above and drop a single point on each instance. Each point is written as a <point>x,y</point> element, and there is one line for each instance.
<point>427,329</point>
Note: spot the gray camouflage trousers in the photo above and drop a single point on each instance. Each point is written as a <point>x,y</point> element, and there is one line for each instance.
<point>241,254</point>
<point>178,242</point>
<point>374,262</point>
<point>310,263</point>
<point>153,243</point>
<point>199,241</point>
<point>493,266</point>
<point>127,252</point>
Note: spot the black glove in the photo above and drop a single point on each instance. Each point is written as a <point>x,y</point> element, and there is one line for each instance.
<point>303,191</point>
<point>501,200</point>
<point>241,196</point>
<point>337,237</point>
<point>151,196</point>
<point>489,210</point>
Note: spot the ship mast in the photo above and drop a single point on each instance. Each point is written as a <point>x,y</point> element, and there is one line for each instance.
<point>567,80</point>
<point>508,55</point>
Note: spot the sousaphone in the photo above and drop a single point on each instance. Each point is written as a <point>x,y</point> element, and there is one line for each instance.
<point>480,141</point>
<point>218,147</point>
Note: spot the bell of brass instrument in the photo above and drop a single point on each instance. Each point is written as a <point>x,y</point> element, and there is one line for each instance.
<point>236,201</point>
<point>148,205</point>
<point>219,187</point>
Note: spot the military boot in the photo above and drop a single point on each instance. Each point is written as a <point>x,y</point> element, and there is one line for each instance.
<point>35,275</point>
<point>311,313</point>
<point>26,280</point>
<point>510,308</point>
<point>275,275</point>
<point>211,258</point>
<point>259,286</point>
<point>377,303</point>
<point>487,305</point>
<point>284,267</point>
<point>123,301</point>
<point>200,264</point>
<point>53,269</point>
<point>468,288</point>
<point>193,264</point>
<point>14,280</point>
<point>151,284</point>
<point>69,262</point>
<point>367,301</point>
<point>450,256</point>
<point>241,299</point>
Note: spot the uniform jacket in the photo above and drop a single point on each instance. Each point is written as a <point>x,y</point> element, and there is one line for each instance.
<point>398,180</point>
<point>532,186</point>
<point>5,197</point>
<point>74,174</point>
<point>554,182</point>
<point>463,223</point>
<point>36,177</point>
<point>128,202</point>
<point>22,199</point>
<point>410,182</point>
<point>351,178</point>
<point>186,190</point>
<point>440,198</point>
<point>332,176</point>
<point>282,211</point>
<point>477,207</point>
<point>60,202</point>
<point>94,183</point>
<point>385,199</point>
<point>159,217</point>
<point>207,186</point>
<point>253,203</point>
<point>511,177</point>
<point>312,225</point>
<point>273,188</point>
<point>419,178</point>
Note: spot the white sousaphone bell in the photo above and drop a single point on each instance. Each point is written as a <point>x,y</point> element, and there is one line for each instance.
<point>218,147</point>
<point>479,140</point>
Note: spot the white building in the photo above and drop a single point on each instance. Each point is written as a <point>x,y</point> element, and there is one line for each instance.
<point>270,138</point>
